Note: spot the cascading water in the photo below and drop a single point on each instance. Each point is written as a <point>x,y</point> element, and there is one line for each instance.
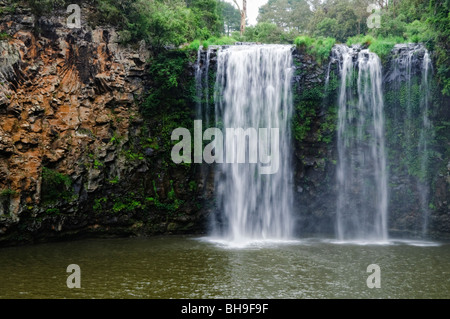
<point>408,77</point>
<point>361,168</point>
<point>253,90</point>
<point>424,137</point>
<point>202,85</point>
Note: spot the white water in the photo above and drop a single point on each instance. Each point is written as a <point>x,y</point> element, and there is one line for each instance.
<point>253,90</point>
<point>412,65</point>
<point>423,144</point>
<point>361,168</point>
<point>202,86</point>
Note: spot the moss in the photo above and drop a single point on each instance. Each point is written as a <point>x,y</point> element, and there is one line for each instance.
<point>6,193</point>
<point>97,164</point>
<point>307,105</point>
<point>327,130</point>
<point>52,211</point>
<point>4,36</point>
<point>192,186</point>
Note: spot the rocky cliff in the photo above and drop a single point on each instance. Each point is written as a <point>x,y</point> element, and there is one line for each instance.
<point>85,139</point>
<point>417,134</point>
<point>73,143</point>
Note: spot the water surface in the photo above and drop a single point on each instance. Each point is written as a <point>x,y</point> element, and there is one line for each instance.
<point>189,267</point>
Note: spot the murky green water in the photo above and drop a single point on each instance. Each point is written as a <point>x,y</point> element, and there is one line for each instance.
<point>187,267</point>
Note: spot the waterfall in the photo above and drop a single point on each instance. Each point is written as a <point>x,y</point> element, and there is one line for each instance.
<point>361,168</point>
<point>202,85</point>
<point>408,77</point>
<point>424,137</point>
<point>199,85</point>
<point>253,90</point>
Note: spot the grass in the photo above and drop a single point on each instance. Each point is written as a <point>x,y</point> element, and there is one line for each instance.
<point>319,47</point>
<point>195,45</point>
<point>380,46</point>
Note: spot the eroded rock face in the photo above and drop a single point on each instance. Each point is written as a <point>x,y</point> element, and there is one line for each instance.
<point>69,102</point>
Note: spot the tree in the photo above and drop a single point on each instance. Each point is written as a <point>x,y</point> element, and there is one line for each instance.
<point>243,12</point>
<point>207,17</point>
<point>231,17</point>
<point>290,15</point>
<point>337,18</point>
<point>161,24</point>
<point>266,33</point>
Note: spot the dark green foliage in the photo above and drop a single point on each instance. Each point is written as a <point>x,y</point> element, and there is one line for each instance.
<point>439,19</point>
<point>162,23</point>
<point>266,32</point>
<point>55,186</point>
<point>170,83</point>
<point>6,193</point>
<point>159,22</point>
<point>208,18</point>
<point>170,102</point>
<point>315,116</point>
<point>338,19</point>
<point>307,104</point>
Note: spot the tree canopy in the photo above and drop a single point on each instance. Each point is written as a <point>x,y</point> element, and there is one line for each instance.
<point>174,22</point>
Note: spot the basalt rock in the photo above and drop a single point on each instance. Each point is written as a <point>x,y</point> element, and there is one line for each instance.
<point>69,103</point>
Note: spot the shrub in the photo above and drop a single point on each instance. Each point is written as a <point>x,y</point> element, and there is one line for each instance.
<point>194,45</point>
<point>303,41</point>
<point>55,186</point>
<point>319,47</point>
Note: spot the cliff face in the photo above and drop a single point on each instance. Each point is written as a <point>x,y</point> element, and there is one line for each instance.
<point>72,141</point>
<point>62,94</point>
<point>77,155</point>
<point>416,132</point>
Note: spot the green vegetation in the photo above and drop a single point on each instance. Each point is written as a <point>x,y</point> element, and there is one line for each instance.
<point>169,102</point>
<point>176,28</point>
<point>218,41</point>
<point>55,186</point>
<point>230,16</point>
<point>133,201</point>
<point>163,23</point>
<point>265,32</point>
<point>319,47</point>
<point>4,36</point>
<point>159,22</point>
<point>6,193</point>
<point>346,21</point>
<point>381,46</point>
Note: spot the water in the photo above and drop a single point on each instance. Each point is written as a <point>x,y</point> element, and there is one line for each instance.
<point>422,146</point>
<point>202,85</point>
<point>361,166</point>
<point>188,267</point>
<point>410,79</point>
<point>253,90</point>
<point>252,254</point>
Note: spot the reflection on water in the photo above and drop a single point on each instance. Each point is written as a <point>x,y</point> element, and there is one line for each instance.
<point>187,267</point>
